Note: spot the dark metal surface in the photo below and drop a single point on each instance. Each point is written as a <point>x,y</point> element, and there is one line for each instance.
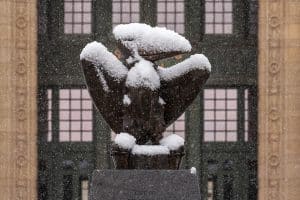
<point>145,118</point>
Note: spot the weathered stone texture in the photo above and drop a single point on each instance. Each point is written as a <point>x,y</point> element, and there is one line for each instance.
<point>18,109</point>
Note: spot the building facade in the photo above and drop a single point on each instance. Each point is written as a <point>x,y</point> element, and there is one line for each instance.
<point>277,125</point>
<point>220,127</point>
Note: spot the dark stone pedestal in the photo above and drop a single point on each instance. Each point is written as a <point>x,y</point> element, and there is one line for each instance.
<point>144,185</point>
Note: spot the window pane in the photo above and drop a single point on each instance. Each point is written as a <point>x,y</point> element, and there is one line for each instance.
<point>220,104</point>
<point>75,126</point>
<point>220,136</point>
<point>209,115</point>
<point>209,137</point>
<point>209,126</point>
<point>64,115</point>
<point>220,93</point>
<point>75,136</point>
<point>209,104</point>
<point>232,104</point>
<point>75,104</point>
<point>87,136</point>
<point>64,136</point>
<point>231,136</point>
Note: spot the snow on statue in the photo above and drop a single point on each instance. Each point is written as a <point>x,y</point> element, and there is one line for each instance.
<point>135,95</point>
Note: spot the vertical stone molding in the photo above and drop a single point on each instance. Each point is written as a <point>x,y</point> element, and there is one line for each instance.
<point>279,99</point>
<point>18,107</point>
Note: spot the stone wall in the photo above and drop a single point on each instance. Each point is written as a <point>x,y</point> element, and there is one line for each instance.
<point>18,117</point>
<point>279,99</point>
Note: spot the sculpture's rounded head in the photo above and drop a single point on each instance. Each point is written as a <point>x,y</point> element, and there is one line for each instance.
<point>152,43</point>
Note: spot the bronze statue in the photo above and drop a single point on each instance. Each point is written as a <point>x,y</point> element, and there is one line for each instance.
<point>134,94</point>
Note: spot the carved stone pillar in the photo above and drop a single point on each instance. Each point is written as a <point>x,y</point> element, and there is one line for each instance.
<point>279,99</point>
<point>18,109</point>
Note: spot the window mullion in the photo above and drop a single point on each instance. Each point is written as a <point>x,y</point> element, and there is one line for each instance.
<point>241,115</point>
<point>55,114</point>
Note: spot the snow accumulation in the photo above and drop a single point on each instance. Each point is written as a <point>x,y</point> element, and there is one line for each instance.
<point>193,170</point>
<point>103,81</point>
<point>197,61</point>
<point>126,100</point>
<point>143,74</point>
<point>125,141</point>
<point>161,101</point>
<point>98,54</point>
<point>173,142</point>
<point>150,150</point>
<point>150,39</point>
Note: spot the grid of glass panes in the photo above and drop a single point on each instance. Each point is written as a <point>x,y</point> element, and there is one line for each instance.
<point>246,116</point>
<point>77,16</point>
<point>178,127</point>
<point>218,16</point>
<point>170,14</point>
<point>253,9</point>
<point>125,11</point>
<point>75,115</point>
<point>220,115</point>
<point>49,113</point>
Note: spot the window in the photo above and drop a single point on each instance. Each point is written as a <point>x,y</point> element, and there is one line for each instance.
<point>178,127</point>
<point>75,115</point>
<point>220,115</point>
<point>170,14</point>
<point>218,16</point>
<point>226,114</point>
<point>84,189</point>
<point>210,189</point>
<point>246,113</point>
<point>125,11</point>
<point>49,115</point>
<point>77,16</point>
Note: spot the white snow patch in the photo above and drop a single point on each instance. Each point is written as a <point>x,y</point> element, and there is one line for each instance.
<point>102,79</point>
<point>197,61</point>
<point>98,54</point>
<point>143,74</point>
<point>161,101</point>
<point>125,141</point>
<point>131,60</point>
<point>150,150</point>
<point>173,142</point>
<point>193,170</point>
<point>150,39</point>
<point>126,100</point>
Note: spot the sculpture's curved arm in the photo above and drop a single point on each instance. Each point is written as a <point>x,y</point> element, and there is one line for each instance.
<point>181,83</point>
<point>105,75</point>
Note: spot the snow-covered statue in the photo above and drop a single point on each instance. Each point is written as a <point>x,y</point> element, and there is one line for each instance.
<point>136,97</point>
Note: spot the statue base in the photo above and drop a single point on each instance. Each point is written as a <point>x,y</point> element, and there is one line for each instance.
<point>124,159</point>
<point>144,185</point>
